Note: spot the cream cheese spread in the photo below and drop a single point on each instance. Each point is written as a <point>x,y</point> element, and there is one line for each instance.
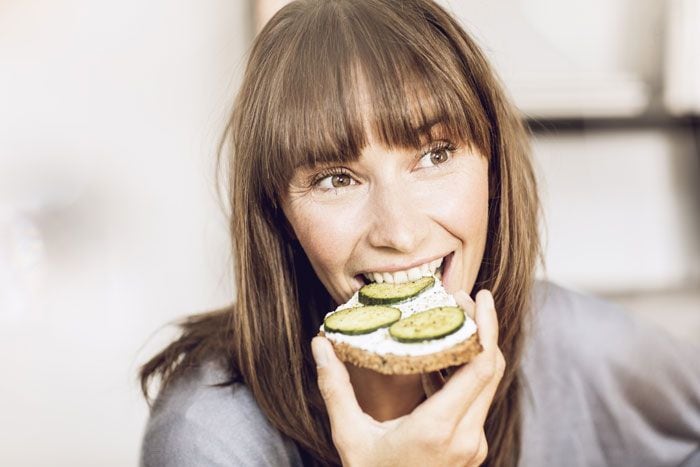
<point>380,342</point>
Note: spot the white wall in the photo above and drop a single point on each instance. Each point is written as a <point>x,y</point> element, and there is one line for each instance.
<point>109,226</point>
<point>621,206</point>
<point>620,209</point>
<point>572,57</point>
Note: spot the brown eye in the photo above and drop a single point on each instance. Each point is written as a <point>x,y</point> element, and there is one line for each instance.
<point>437,154</point>
<point>340,180</point>
<point>333,179</point>
<point>438,157</point>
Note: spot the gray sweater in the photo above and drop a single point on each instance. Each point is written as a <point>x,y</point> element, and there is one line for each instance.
<point>601,389</point>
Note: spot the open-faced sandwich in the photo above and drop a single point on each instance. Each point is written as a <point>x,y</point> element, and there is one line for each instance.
<point>402,328</point>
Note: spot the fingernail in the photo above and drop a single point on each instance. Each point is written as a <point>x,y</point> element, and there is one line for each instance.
<point>320,352</point>
<point>488,297</point>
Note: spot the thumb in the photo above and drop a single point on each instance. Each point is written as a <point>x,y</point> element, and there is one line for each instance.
<point>334,384</point>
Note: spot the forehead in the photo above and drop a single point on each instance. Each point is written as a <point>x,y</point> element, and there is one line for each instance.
<point>407,119</point>
<point>413,108</point>
<point>324,105</point>
<point>424,134</point>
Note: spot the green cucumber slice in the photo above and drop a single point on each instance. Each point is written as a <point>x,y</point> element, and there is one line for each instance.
<point>385,293</point>
<point>361,319</point>
<point>429,324</point>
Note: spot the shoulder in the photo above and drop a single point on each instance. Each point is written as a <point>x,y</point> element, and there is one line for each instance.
<point>631,391</point>
<point>587,330</point>
<point>195,422</point>
<point>571,339</point>
<point>565,319</point>
<point>554,304</point>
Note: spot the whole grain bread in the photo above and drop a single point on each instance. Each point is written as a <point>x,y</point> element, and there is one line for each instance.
<point>391,364</point>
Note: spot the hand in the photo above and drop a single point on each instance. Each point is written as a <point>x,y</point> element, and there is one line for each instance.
<point>446,429</point>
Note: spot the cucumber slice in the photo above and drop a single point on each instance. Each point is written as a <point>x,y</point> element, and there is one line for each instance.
<point>429,324</point>
<point>361,319</point>
<point>385,293</point>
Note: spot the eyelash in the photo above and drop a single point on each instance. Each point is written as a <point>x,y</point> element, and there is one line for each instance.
<point>434,147</point>
<point>439,146</point>
<point>316,179</point>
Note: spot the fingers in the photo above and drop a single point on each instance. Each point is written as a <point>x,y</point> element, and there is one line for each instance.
<point>486,320</point>
<point>493,363</point>
<point>479,409</point>
<point>459,393</point>
<point>334,384</point>
<point>466,303</point>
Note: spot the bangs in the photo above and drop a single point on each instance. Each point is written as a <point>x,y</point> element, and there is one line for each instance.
<point>348,71</point>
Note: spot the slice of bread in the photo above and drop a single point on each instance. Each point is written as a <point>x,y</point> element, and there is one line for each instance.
<point>379,351</point>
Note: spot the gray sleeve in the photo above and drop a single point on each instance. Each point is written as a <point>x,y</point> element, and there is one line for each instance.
<point>604,388</point>
<point>179,442</point>
<point>648,391</point>
<point>195,423</point>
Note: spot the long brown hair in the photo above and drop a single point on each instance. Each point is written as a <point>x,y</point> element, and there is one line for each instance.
<point>300,103</point>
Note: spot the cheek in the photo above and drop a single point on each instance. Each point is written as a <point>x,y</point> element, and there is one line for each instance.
<point>462,212</point>
<point>325,234</point>
<point>462,206</point>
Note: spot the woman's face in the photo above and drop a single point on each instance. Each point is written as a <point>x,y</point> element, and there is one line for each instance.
<point>390,211</point>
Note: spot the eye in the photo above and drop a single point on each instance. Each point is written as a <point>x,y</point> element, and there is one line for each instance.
<point>437,154</point>
<point>333,179</point>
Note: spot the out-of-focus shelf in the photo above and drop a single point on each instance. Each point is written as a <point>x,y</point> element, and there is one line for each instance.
<point>641,122</point>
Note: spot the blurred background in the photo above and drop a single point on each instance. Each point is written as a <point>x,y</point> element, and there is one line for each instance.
<point>110,227</point>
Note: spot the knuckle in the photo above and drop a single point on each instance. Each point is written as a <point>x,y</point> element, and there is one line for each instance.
<point>482,451</point>
<point>436,438</point>
<point>472,446</point>
<point>470,451</point>
<point>500,364</point>
<point>485,371</point>
<point>326,387</point>
<point>341,441</point>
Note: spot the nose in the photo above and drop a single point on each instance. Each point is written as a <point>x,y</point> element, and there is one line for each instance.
<point>397,220</point>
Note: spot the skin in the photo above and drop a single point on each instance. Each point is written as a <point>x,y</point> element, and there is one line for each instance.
<point>392,209</point>
<point>445,430</point>
<point>397,208</point>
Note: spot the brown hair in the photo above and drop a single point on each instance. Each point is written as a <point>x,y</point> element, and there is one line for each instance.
<point>299,103</point>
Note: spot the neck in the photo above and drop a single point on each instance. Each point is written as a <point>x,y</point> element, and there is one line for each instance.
<point>386,397</point>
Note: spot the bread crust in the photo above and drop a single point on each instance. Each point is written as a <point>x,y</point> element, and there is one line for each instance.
<point>391,364</point>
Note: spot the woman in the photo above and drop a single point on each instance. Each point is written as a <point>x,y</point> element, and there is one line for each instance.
<point>369,137</point>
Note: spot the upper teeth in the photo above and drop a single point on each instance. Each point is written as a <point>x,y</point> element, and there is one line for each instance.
<point>413,274</point>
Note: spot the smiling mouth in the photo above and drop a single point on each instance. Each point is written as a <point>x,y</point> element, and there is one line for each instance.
<point>413,274</point>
